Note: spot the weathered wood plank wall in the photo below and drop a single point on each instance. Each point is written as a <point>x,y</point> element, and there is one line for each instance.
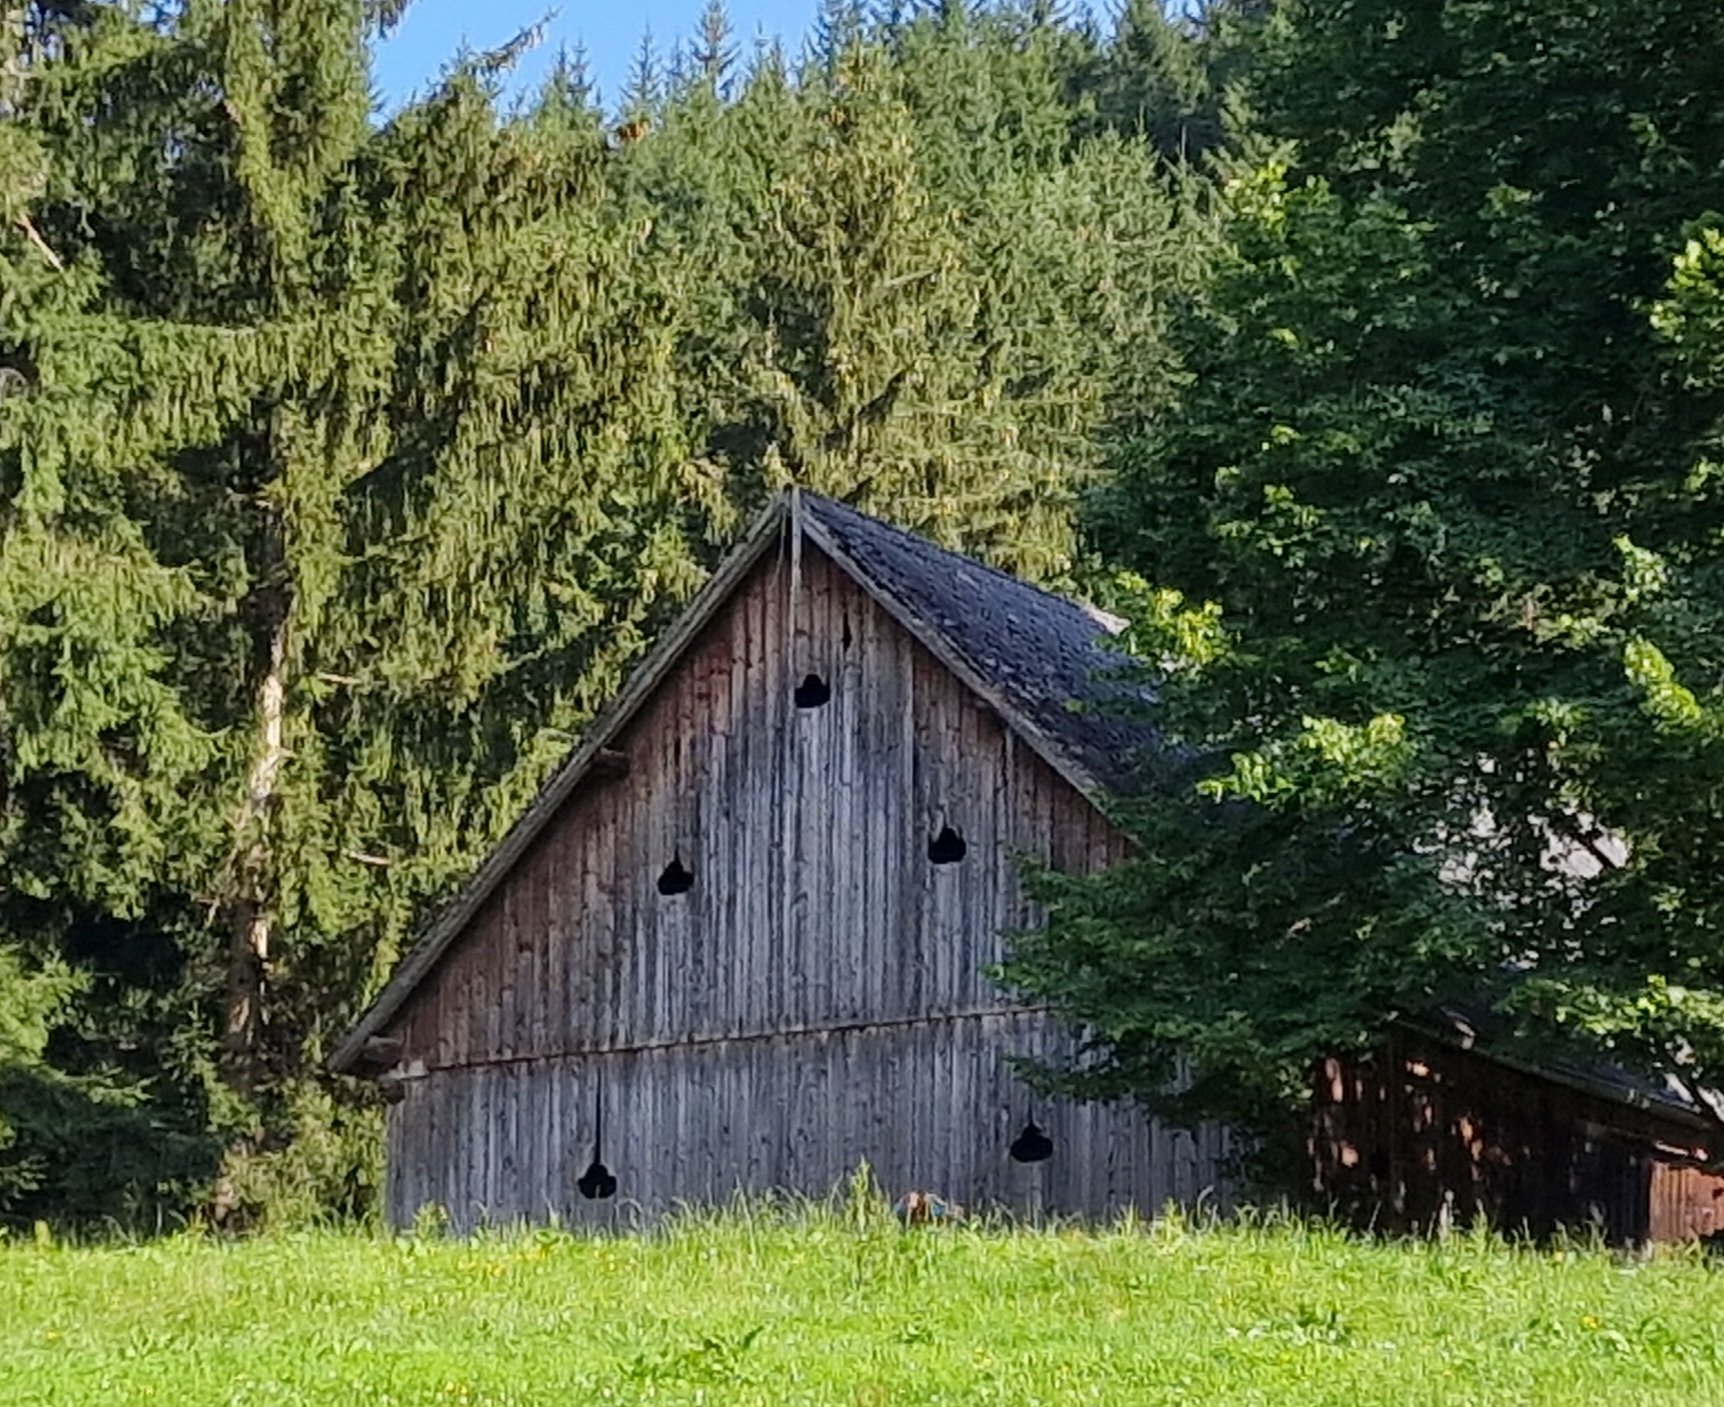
<point>928,1104</point>
<point>818,997</point>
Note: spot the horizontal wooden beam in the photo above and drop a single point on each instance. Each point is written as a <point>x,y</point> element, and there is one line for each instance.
<point>381,1052</point>
<point>608,764</point>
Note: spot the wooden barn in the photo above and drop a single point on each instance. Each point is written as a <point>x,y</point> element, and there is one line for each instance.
<point>741,940</point>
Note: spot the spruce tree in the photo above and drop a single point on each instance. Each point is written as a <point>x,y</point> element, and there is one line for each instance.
<point>347,467</point>
<point>347,478</point>
<point>714,52</point>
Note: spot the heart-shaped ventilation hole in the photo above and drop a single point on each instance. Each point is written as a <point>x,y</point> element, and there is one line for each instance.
<point>676,879</point>
<point>597,1182</point>
<point>1032,1145</point>
<point>947,848</point>
<point>812,692</point>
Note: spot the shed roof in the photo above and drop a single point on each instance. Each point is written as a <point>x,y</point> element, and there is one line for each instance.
<point>1041,661</point>
<point>1478,1029</point>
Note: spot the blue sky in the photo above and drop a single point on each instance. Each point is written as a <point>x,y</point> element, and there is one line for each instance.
<point>434,30</point>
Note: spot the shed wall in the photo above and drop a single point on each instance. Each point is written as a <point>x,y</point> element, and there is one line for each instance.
<point>1425,1133</point>
<point>818,997</point>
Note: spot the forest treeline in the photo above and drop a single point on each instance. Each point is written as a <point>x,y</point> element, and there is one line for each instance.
<point>1370,356</point>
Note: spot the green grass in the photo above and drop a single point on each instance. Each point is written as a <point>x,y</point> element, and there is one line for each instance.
<point>812,1308</point>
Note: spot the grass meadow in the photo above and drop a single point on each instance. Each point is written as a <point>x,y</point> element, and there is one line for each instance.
<point>834,1307</point>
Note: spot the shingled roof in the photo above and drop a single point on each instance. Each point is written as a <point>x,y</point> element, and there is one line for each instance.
<point>1042,662</point>
<point>1049,656</point>
<point>1475,1027</point>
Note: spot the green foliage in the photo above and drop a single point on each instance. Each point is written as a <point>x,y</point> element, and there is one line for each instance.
<point>807,1309</point>
<point>28,1004</point>
<point>346,467</point>
<point>1441,483</point>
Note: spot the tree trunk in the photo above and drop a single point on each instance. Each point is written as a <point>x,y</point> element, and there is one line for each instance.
<point>251,917</point>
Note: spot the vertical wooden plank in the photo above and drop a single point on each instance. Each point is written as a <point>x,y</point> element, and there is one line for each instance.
<point>435,1044</point>
<point>535,944</point>
<point>630,857</point>
<point>458,1013</point>
<point>637,865</point>
<point>505,959</point>
<point>485,1183</point>
<point>971,938</point>
<point>457,1102</point>
<point>902,856</point>
<point>506,1109</point>
<point>950,799</point>
<point>666,913</point>
<point>772,811</point>
<point>801,745</point>
<point>703,780</point>
<point>968,916</point>
<point>579,958</point>
<point>541,1077</point>
<point>526,1085</point>
<point>1002,901</point>
<point>849,849</point>
<point>693,759</point>
<point>460,1118</point>
<point>728,706</point>
<point>839,964</point>
<point>396,1124</point>
<point>559,919</point>
<point>529,936</point>
<point>928,817</point>
<point>683,1007</point>
<point>442,1173</point>
<point>816,932</point>
<point>955,1123</point>
<point>420,1145</point>
<point>411,1138</point>
<point>607,926</point>
<point>744,704</point>
<point>500,942</point>
<point>868,916</point>
<point>947,880</point>
<point>472,970</point>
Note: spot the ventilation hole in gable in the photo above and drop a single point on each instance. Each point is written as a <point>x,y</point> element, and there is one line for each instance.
<point>597,1182</point>
<point>1032,1145</point>
<point>676,879</point>
<point>947,848</point>
<point>812,692</point>
<point>848,637</point>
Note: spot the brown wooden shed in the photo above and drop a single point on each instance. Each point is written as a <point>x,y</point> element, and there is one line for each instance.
<point>1442,1126</point>
<point>740,941</point>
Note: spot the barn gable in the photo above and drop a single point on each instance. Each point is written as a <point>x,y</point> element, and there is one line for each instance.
<point>1038,660</point>
<point>743,939</point>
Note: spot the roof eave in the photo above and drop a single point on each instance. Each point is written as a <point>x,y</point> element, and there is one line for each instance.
<point>1570,1079</point>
